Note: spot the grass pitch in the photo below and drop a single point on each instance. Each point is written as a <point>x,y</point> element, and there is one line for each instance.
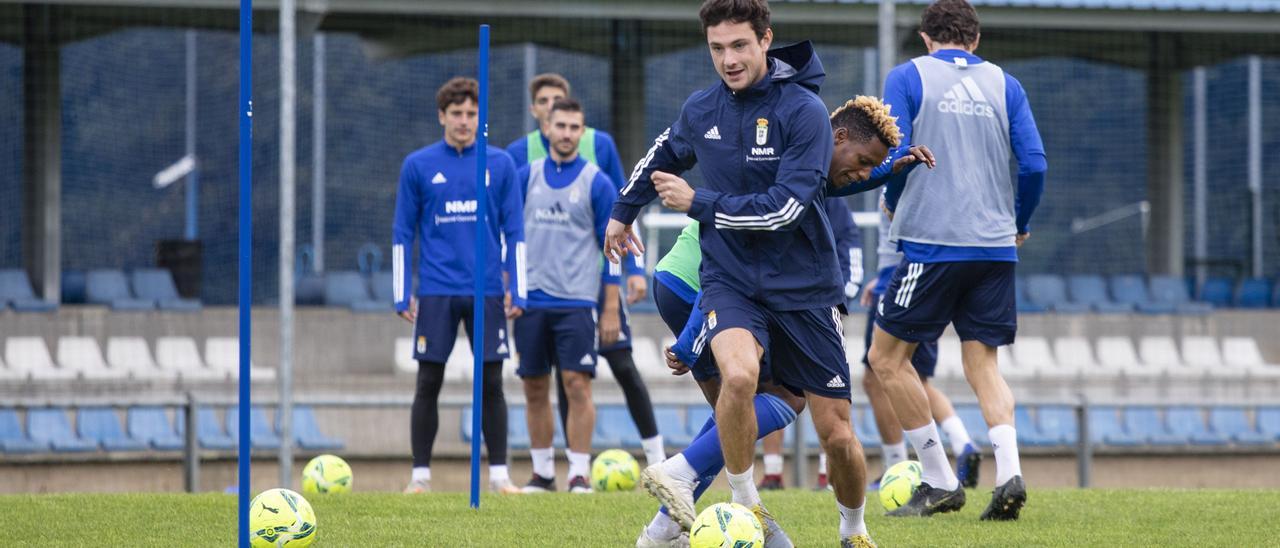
<point>1051,518</point>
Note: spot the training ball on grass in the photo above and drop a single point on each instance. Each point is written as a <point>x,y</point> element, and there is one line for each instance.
<point>281,518</point>
<point>614,470</point>
<point>726,525</point>
<point>326,474</point>
<point>898,483</point>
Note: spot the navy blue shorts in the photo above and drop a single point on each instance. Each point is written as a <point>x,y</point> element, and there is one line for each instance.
<point>673,309</point>
<point>624,316</point>
<point>804,347</point>
<point>437,327</point>
<point>563,337</point>
<point>977,297</point>
<point>924,360</point>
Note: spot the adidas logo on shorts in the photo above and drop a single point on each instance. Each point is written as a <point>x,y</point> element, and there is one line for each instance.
<point>836,382</point>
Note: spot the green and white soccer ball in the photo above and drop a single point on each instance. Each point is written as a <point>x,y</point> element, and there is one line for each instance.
<point>281,518</point>
<point>726,525</point>
<point>898,483</point>
<point>614,470</point>
<point>326,474</point>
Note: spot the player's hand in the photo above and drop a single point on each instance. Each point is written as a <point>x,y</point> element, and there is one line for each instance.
<point>610,325</point>
<point>513,312</point>
<point>619,240</point>
<point>637,288</point>
<point>410,315</point>
<point>915,154</point>
<point>867,291</point>
<point>674,191</point>
<point>676,366</point>
<point>1021,239</point>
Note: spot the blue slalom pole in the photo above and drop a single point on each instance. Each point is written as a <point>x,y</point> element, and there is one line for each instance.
<point>482,250</point>
<point>246,253</point>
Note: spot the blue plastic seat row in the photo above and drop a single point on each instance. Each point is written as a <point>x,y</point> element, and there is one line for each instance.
<point>142,289</point>
<point>146,428</point>
<point>1249,293</point>
<point>16,292</point>
<point>347,288</point>
<point>1118,294</point>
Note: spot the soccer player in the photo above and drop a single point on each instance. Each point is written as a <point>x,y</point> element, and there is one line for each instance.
<point>958,227</point>
<point>436,203</point>
<point>597,147</point>
<point>849,245</point>
<point>566,207</point>
<point>924,360</point>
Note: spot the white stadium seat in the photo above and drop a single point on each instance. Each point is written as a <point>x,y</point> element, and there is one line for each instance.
<point>30,355</point>
<point>1073,356</point>
<point>459,366</point>
<point>1009,367</point>
<point>1162,353</point>
<point>403,356</point>
<point>132,354</point>
<point>7,374</point>
<point>223,354</point>
<point>648,357</point>
<point>1243,352</point>
<point>181,355</point>
<point>82,354</point>
<point>950,360</point>
<point>1202,353</point>
<point>1034,354</point>
<point>1117,354</point>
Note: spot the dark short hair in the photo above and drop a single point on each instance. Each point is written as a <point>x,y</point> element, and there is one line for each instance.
<point>456,91</point>
<point>755,12</point>
<point>547,79</point>
<point>567,104</point>
<point>950,22</point>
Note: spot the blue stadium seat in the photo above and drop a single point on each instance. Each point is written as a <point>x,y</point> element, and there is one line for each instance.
<point>381,285</point>
<point>1172,291</point>
<point>1023,301</point>
<point>614,428</point>
<point>110,288</point>
<point>1144,422</point>
<point>971,416</point>
<point>306,430</point>
<point>1275,296</point>
<point>261,434</point>
<point>50,425</point>
<point>1189,422</point>
<point>1105,428</point>
<point>15,289</point>
<point>811,436</point>
<point>1050,291</point>
<point>151,425</point>
<point>73,286</point>
<point>1091,290</point>
<point>102,426</point>
<point>157,284</point>
<point>347,288</point>
<point>1254,293</point>
<point>1231,423</point>
<point>517,426</point>
<point>675,433</point>
<point>866,429</point>
<point>310,290</point>
<point>209,432</point>
<point>1132,289</point>
<point>13,439</point>
<point>1028,433</point>
<point>698,415</point>
<point>1057,425</point>
<point>1217,292</point>
<point>1269,421</point>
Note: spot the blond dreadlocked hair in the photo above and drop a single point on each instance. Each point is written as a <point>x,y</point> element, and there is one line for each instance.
<point>865,117</point>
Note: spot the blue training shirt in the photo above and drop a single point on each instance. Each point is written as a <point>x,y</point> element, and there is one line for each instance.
<point>903,91</point>
<point>436,203</point>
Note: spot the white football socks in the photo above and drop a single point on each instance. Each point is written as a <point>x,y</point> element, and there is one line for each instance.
<point>499,472</point>
<point>894,453</point>
<point>773,465</point>
<point>663,527</point>
<point>956,434</point>
<point>1004,442</point>
<point>822,463</point>
<point>653,452</point>
<point>851,522</point>
<point>679,469</point>
<point>544,462</point>
<point>421,473</point>
<point>744,487</point>
<point>937,470</point>
<point>579,464</point>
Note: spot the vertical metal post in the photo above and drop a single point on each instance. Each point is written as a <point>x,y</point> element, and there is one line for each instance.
<point>245,257</point>
<point>1084,446</point>
<point>42,150</point>
<point>530,70</point>
<point>1255,157</point>
<point>192,229</point>
<point>886,38</point>
<point>1200,172</point>
<point>288,163</point>
<point>318,138</point>
<point>482,259</point>
<point>801,425</point>
<point>870,200</point>
<point>190,447</point>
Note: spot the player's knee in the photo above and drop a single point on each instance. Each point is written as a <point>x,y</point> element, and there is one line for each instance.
<point>737,381</point>
<point>836,436</point>
<point>577,385</point>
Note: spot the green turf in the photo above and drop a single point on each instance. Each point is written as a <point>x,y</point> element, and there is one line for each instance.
<point>1051,518</point>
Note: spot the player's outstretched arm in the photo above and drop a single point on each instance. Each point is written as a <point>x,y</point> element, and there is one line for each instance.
<point>403,229</point>
<point>512,223</point>
<point>898,164</point>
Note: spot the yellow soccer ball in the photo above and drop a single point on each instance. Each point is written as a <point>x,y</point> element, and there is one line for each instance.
<point>726,525</point>
<point>614,470</point>
<point>326,474</point>
<point>281,518</point>
<point>898,483</point>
